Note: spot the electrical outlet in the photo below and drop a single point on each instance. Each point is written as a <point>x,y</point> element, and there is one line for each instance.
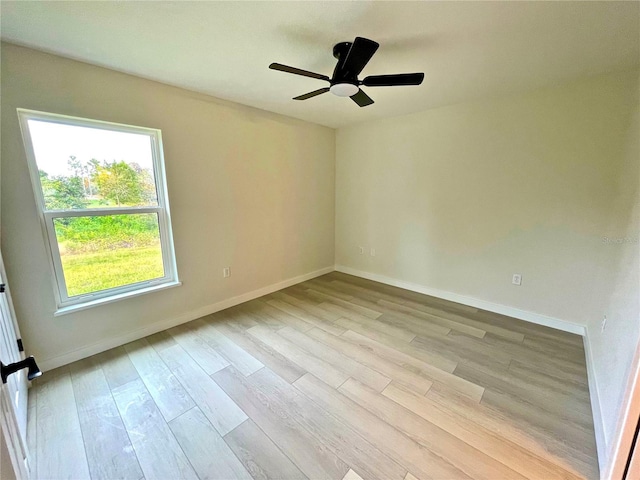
<point>226,272</point>
<point>604,323</point>
<point>361,250</point>
<point>517,279</point>
<point>373,252</point>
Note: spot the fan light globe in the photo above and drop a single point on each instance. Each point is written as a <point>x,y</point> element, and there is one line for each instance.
<point>344,89</point>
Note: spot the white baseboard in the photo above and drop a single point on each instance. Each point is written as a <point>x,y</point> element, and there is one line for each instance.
<point>596,409</point>
<point>525,315</point>
<point>95,348</point>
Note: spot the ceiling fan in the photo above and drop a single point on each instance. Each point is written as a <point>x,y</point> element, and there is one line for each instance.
<point>352,58</point>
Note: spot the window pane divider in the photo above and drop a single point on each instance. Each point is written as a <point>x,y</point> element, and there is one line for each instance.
<point>96,212</point>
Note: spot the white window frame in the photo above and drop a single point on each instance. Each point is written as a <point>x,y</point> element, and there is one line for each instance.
<point>66,304</point>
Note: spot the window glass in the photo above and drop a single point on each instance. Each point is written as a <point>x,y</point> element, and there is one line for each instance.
<point>82,167</point>
<point>108,251</point>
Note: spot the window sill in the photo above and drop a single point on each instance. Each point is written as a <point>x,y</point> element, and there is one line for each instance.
<point>114,298</point>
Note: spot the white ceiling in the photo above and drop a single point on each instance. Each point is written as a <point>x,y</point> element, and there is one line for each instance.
<point>467,50</point>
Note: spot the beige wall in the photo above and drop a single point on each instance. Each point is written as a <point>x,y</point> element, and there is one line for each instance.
<point>613,350</point>
<point>248,189</point>
<point>6,468</point>
<point>460,198</point>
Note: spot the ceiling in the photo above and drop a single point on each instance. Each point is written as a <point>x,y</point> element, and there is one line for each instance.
<point>467,50</point>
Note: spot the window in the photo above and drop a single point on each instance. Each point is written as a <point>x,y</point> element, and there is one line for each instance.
<point>101,192</point>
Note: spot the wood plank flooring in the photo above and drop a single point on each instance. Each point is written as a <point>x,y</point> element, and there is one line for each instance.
<point>334,378</point>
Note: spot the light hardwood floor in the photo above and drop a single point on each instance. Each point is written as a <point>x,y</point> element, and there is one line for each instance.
<point>334,378</point>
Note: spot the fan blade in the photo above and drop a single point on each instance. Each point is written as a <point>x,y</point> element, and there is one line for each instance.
<point>359,55</point>
<point>312,94</point>
<point>298,71</point>
<point>362,99</point>
<point>393,80</point>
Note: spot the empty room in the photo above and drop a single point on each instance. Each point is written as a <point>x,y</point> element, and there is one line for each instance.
<point>320,240</point>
